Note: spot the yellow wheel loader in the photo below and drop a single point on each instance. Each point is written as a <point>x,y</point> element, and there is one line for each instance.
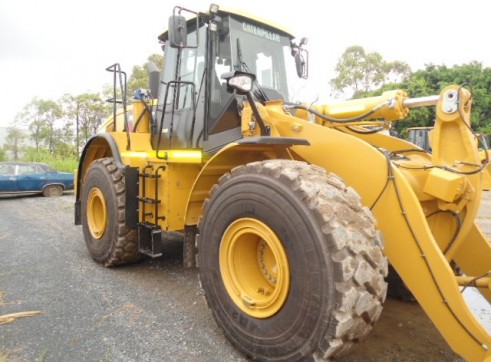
<point>291,212</point>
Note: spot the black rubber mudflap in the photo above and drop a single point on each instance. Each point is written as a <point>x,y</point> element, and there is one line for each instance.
<point>131,180</point>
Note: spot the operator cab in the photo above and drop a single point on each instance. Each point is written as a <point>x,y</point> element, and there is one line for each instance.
<point>195,110</point>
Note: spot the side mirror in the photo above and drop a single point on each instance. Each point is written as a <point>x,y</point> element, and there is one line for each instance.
<point>178,31</point>
<point>302,63</point>
<point>153,79</point>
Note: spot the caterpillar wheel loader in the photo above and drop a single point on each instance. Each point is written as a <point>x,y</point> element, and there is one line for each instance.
<point>291,212</point>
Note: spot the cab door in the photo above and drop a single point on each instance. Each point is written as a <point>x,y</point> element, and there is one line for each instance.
<point>180,111</point>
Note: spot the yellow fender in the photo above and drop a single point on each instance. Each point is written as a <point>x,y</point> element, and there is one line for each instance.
<point>232,155</point>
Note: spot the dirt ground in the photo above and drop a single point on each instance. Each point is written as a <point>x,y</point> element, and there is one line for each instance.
<point>151,311</point>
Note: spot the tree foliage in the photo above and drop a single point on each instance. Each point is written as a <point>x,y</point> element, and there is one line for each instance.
<point>14,142</point>
<point>3,154</point>
<point>368,75</point>
<point>472,75</point>
<point>86,113</point>
<point>360,72</point>
<point>139,74</point>
<point>60,161</point>
<point>57,129</point>
<point>433,79</point>
<point>40,116</point>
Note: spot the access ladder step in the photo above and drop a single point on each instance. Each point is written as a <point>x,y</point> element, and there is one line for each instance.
<point>150,239</point>
<point>148,200</point>
<point>149,175</point>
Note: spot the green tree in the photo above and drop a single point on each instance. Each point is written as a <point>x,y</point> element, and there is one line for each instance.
<point>137,80</point>
<point>359,72</point>
<point>157,59</point>
<point>14,141</point>
<point>85,112</point>
<point>40,116</point>
<point>3,154</point>
<point>50,112</point>
<point>139,75</point>
<point>477,78</point>
<point>431,81</point>
<point>29,117</point>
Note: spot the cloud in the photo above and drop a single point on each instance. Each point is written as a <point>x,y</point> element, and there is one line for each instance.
<point>54,47</point>
<point>16,38</point>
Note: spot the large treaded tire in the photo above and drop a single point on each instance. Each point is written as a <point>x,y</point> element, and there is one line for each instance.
<point>116,244</point>
<point>336,264</point>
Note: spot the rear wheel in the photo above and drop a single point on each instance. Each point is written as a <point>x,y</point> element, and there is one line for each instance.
<point>290,263</point>
<point>108,239</point>
<point>53,191</point>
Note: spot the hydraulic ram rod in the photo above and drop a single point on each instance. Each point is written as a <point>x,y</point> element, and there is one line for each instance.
<point>420,101</point>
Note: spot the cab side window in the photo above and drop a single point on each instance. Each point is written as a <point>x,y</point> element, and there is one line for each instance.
<point>190,69</point>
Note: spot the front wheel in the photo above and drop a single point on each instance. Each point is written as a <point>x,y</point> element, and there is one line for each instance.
<point>108,239</point>
<point>290,263</point>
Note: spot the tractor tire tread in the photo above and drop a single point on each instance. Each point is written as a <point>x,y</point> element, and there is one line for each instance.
<point>125,248</point>
<point>356,251</point>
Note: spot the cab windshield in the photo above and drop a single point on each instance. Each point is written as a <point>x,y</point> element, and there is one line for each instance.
<point>255,48</point>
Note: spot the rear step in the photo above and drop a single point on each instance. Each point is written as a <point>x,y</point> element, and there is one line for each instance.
<point>150,239</point>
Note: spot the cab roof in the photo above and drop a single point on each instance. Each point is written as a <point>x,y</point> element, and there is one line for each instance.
<point>227,11</point>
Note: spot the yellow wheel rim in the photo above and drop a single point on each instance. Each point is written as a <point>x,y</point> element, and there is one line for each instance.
<point>254,267</point>
<point>96,213</point>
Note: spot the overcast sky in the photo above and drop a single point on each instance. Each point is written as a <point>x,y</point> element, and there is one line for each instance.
<point>50,47</point>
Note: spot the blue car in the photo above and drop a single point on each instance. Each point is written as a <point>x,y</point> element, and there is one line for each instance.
<point>33,178</point>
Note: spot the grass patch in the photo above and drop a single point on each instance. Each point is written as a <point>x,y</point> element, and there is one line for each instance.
<point>60,162</point>
<point>107,357</point>
<point>4,357</point>
<point>42,357</point>
<point>67,165</point>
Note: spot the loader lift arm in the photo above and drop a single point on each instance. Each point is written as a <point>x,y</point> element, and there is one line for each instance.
<point>433,200</point>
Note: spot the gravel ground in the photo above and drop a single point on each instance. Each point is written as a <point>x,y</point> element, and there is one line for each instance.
<point>151,311</point>
<point>145,312</point>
